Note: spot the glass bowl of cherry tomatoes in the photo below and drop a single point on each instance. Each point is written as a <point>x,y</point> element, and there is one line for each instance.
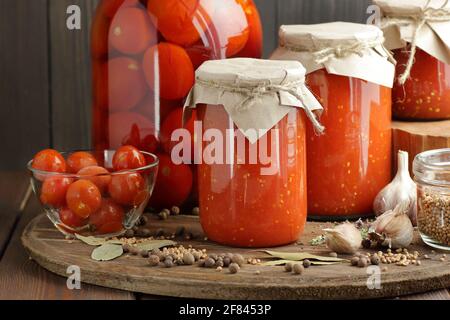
<point>94,192</point>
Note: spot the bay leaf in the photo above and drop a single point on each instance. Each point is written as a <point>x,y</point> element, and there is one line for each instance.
<point>106,252</point>
<point>150,245</point>
<point>313,262</point>
<point>94,241</point>
<point>299,256</point>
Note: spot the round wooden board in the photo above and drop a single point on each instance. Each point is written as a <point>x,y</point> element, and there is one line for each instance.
<point>52,251</point>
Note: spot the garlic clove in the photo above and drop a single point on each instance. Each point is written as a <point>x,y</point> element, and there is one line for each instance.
<point>401,189</point>
<point>344,238</point>
<point>395,227</point>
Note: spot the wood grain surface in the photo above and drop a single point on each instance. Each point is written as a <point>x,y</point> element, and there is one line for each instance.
<point>132,273</point>
<point>416,137</point>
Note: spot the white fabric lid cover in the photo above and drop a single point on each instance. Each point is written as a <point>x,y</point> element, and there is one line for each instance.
<point>342,48</point>
<point>256,93</point>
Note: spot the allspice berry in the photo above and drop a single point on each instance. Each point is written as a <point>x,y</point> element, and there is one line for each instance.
<point>209,263</point>
<point>375,259</point>
<point>175,210</point>
<point>354,261</point>
<point>196,211</point>
<point>153,260</point>
<point>362,263</point>
<point>188,259</point>
<point>237,258</point>
<point>234,268</point>
<point>144,253</point>
<point>306,263</point>
<point>288,267</point>
<point>164,214</point>
<point>298,268</point>
<point>168,263</point>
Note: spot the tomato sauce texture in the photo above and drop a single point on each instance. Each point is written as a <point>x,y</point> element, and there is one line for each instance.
<point>351,162</point>
<point>240,206</point>
<point>426,94</point>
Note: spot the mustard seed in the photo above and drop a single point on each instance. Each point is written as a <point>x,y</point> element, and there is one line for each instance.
<point>210,263</point>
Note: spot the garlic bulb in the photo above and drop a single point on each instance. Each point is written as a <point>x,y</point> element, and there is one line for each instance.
<point>402,189</point>
<point>393,228</point>
<point>344,238</point>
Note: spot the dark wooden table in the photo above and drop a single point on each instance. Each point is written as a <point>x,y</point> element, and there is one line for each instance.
<point>22,279</point>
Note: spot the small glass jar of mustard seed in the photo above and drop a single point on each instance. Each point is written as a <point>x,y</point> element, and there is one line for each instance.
<point>432,175</point>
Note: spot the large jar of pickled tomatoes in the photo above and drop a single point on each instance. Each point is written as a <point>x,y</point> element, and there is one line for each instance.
<point>252,171</point>
<point>144,55</point>
<point>418,33</point>
<point>351,73</point>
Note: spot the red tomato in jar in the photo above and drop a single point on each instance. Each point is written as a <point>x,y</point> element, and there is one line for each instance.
<point>79,160</point>
<point>126,83</point>
<point>173,185</point>
<point>110,7</point>
<point>176,73</point>
<point>49,160</point>
<point>97,175</point>
<point>180,21</point>
<point>132,31</point>
<point>83,198</point>
<point>70,219</point>
<point>109,218</point>
<point>54,189</point>
<point>128,157</point>
<point>174,121</point>
<point>128,189</point>
<point>99,37</point>
<point>127,128</point>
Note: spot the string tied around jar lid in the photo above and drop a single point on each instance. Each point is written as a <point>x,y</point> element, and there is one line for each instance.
<point>324,53</point>
<point>428,14</point>
<point>254,91</point>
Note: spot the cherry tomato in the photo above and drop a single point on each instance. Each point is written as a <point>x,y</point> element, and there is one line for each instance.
<point>126,83</point>
<point>253,48</point>
<point>128,157</point>
<point>109,218</point>
<point>83,198</point>
<point>97,175</point>
<point>49,160</point>
<point>70,219</point>
<point>127,189</point>
<point>54,189</point>
<point>176,73</point>
<point>132,31</point>
<point>79,160</point>
<point>199,54</point>
<point>173,185</point>
<point>174,121</point>
<point>127,128</point>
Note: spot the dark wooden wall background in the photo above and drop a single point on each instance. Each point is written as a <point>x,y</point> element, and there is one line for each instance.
<point>45,68</point>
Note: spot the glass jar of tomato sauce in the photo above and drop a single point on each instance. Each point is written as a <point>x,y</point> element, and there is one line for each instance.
<point>350,72</point>
<point>422,91</point>
<point>252,173</point>
<point>144,54</point>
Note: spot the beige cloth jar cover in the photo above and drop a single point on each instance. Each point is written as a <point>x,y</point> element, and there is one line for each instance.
<point>256,94</point>
<point>422,23</point>
<point>342,48</point>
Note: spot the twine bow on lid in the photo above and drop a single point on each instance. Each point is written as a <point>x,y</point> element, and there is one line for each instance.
<point>325,53</point>
<point>254,91</point>
<point>429,14</point>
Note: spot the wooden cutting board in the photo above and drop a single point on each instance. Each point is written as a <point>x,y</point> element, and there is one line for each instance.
<point>52,251</point>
